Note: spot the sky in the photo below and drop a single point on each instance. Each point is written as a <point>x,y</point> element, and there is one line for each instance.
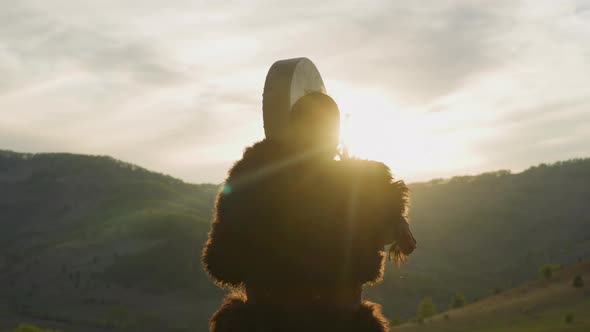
<point>433,89</point>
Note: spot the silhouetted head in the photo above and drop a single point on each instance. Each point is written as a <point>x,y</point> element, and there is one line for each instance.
<point>315,122</point>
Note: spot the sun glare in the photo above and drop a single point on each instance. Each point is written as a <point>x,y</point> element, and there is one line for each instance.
<point>410,141</point>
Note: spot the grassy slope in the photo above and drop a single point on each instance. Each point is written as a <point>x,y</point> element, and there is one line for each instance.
<point>538,306</point>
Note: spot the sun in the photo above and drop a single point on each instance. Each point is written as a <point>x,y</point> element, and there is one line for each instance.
<point>374,127</point>
<point>368,121</point>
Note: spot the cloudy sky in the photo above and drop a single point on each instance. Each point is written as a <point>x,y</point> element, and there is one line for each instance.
<point>433,89</point>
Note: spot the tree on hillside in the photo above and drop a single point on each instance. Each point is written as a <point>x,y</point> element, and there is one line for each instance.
<point>458,300</point>
<point>426,308</point>
<point>546,271</point>
<point>395,321</point>
<point>578,282</point>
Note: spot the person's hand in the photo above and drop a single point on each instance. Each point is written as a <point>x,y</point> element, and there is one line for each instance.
<point>405,239</point>
<point>403,245</point>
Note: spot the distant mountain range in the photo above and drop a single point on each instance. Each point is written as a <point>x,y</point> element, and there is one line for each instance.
<point>89,243</point>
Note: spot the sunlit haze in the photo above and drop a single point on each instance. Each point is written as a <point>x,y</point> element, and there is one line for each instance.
<point>448,88</point>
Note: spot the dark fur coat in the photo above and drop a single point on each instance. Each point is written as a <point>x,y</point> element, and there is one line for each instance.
<point>236,314</point>
<point>289,218</point>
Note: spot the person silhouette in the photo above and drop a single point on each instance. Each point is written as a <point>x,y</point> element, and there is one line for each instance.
<point>298,230</point>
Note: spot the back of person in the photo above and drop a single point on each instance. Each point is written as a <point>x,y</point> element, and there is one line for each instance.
<point>301,232</point>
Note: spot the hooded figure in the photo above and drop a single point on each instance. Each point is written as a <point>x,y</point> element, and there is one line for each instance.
<point>297,231</point>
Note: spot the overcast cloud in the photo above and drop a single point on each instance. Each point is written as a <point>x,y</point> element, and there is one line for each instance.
<point>175,86</point>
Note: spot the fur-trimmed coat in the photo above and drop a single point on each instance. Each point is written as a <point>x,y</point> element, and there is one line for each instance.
<point>290,218</point>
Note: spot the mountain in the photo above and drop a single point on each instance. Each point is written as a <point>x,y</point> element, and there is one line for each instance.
<point>90,243</point>
<point>480,234</point>
<point>94,242</point>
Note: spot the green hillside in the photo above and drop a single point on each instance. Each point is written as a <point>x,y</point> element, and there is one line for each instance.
<point>480,234</point>
<point>91,243</point>
<point>538,306</point>
<point>95,242</point>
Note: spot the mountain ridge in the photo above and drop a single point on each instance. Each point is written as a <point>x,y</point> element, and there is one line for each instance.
<point>433,181</point>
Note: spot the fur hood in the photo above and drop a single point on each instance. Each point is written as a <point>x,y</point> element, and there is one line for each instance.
<point>236,315</point>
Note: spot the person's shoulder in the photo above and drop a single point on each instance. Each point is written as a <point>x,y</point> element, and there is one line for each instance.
<point>256,155</point>
<point>263,147</point>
